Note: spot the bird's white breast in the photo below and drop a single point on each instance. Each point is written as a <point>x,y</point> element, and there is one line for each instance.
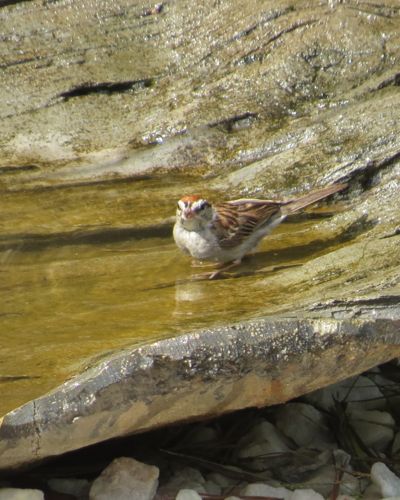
<point>202,246</point>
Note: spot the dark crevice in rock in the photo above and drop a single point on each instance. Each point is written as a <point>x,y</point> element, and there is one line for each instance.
<point>396,232</point>
<point>366,174</point>
<point>107,88</point>
<point>291,28</point>
<point>257,55</point>
<point>377,10</point>
<point>237,121</point>
<point>268,18</point>
<point>30,242</point>
<point>371,302</point>
<point>383,306</point>
<point>22,61</point>
<point>393,80</point>
<point>271,16</point>
<point>386,162</point>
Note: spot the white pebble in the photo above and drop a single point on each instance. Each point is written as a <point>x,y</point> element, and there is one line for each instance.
<point>187,478</point>
<point>188,495</point>
<point>171,488</point>
<point>264,490</point>
<point>125,478</point>
<point>383,477</point>
<point>305,495</point>
<point>20,494</point>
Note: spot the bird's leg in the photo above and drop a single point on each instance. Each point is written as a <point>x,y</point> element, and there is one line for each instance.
<point>216,273</point>
<point>221,268</point>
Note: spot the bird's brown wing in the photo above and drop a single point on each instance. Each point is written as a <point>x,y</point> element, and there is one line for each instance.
<point>237,220</point>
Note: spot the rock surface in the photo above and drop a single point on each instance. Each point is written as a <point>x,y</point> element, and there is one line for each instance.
<point>258,363</point>
<point>237,99</point>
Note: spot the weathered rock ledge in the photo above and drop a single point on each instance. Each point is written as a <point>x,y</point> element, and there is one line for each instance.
<point>197,375</point>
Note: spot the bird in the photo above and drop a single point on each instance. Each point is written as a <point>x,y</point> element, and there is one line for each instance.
<point>225,232</point>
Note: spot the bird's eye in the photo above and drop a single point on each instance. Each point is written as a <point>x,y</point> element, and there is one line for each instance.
<point>202,205</point>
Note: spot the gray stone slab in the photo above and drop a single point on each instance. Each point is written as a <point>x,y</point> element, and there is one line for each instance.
<point>201,374</point>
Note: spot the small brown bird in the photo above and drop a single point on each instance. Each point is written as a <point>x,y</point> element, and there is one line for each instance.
<point>225,232</point>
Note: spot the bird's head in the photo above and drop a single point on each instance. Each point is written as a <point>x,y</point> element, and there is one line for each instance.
<point>194,212</point>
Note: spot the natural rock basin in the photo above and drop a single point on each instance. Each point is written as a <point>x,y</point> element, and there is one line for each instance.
<point>104,129</point>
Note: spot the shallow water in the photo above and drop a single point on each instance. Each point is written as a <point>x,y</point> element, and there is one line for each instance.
<point>89,269</point>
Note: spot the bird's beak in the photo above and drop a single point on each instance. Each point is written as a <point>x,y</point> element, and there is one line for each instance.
<point>188,213</point>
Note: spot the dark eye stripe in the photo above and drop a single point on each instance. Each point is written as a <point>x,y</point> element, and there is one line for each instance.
<point>203,205</point>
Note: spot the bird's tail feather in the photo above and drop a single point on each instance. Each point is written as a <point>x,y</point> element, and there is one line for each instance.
<point>310,198</point>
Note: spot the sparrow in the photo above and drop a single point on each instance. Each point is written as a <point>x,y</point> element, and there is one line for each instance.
<point>225,232</point>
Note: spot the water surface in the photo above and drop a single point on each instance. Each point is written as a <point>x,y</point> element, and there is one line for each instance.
<point>89,269</point>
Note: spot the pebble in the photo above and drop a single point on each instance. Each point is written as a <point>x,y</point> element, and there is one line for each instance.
<point>323,479</point>
<point>305,495</point>
<point>125,478</point>
<point>375,428</point>
<point>20,494</point>
<point>304,424</point>
<point>262,440</point>
<point>79,488</point>
<point>387,482</point>
<point>221,480</point>
<point>186,478</point>
<point>264,490</point>
<point>358,392</point>
<point>188,495</point>
<point>212,488</point>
